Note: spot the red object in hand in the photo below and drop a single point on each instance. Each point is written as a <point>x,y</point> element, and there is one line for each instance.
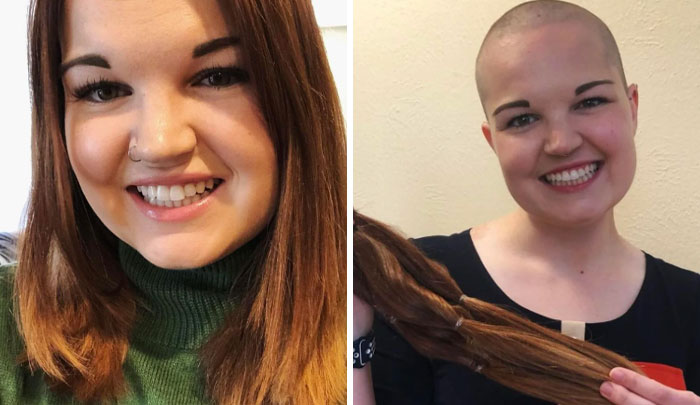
<point>667,375</point>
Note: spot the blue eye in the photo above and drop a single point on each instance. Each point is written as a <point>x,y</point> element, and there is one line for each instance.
<point>101,91</point>
<point>220,77</point>
<point>521,121</point>
<point>591,103</point>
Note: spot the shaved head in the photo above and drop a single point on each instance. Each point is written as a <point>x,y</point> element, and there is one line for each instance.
<point>538,13</point>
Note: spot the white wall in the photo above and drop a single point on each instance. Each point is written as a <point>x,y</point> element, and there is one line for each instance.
<point>15,154</point>
<point>332,18</point>
<point>15,115</point>
<point>420,162</point>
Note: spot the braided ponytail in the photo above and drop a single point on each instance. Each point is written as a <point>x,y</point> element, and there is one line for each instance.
<point>424,304</point>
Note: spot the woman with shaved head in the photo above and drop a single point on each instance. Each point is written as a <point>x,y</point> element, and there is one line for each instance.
<point>561,120</point>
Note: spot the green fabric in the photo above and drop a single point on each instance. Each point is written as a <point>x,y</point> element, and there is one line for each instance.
<point>180,310</point>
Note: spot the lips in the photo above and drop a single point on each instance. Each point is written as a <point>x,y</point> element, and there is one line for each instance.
<point>572,175</point>
<point>171,194</point>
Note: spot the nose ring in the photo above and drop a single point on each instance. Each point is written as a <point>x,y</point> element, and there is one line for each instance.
<point>130,154</point>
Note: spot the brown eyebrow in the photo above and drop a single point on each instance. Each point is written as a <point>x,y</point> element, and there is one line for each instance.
<point>586,86</point>
<point>214,45</point>
<point>88,60</point>
<point>524,103</point>
<point>199,51</point>
<point>512,104</point>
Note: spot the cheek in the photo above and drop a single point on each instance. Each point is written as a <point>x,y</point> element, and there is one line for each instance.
<point>241,141</point>
<point>95,148</point>
<point>614,137</point>
<point>517,155</point>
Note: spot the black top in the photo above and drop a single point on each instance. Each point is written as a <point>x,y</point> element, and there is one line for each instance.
<point>661,326</point>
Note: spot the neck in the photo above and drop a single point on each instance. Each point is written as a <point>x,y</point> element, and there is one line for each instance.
<point>594,245</point>
<point>181,308</point>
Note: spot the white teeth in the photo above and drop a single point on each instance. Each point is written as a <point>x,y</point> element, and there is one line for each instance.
<point>190,190</point>
<point>163,193</point>
<point>572,177</point>
<point>177,195</point>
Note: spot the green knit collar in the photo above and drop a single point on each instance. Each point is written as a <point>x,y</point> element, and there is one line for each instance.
<point>182,307</point>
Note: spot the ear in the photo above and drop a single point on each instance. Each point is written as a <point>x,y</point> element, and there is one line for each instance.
<point>486,130</point>
<point>633,97</point>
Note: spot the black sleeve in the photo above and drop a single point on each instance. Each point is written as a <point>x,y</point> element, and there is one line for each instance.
<point>400,375</point>
<point>692,376</point>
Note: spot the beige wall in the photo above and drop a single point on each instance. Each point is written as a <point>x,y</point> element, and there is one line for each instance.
<point>421,163</point>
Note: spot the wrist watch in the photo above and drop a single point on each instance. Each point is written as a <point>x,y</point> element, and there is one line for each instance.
<point>363,350</point>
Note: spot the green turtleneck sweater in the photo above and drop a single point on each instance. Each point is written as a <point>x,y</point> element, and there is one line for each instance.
<point>161,366</point>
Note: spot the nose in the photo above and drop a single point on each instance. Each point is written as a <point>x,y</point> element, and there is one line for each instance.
<point>162,136</point>
<point>562,139</point>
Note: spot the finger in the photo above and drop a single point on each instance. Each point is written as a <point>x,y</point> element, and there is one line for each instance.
<point>648,388</point>
<point>619,395</point>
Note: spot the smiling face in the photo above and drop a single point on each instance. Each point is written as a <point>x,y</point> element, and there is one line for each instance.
<point>166,79</point>
<point>560,121</point>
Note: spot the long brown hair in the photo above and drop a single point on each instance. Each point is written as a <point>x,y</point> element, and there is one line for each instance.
<point>285,342</point>
<point>426,306</point>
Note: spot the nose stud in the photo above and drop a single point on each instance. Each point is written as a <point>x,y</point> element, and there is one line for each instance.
<point>130,154</point>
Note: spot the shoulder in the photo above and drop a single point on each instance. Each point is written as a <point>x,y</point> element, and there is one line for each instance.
<point>7,278</point>
<point>8,329</point>
<point>443,247</point>
<point>11,374</point>
<point>681,282</point>
<point>673,293</point>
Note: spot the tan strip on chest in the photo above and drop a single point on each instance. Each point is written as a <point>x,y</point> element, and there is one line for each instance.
<point>575,329</point>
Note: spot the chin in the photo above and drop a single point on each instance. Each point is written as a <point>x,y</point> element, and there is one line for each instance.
<point>180,256</point>
<point>175,260</point>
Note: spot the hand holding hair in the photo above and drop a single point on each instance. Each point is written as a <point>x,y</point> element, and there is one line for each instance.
<point>424,304</point>
<point>629,388</point>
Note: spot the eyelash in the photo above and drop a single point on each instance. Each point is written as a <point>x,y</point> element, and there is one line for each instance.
<point>84,91</point>
<point>598,101</point>
<point>233,74</point>
<point>512,122</point>
<point>583,104</point>
<point>236,75</point>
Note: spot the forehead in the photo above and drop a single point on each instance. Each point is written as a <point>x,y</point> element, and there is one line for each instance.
<point>152,25</point>
<point>564,53</point>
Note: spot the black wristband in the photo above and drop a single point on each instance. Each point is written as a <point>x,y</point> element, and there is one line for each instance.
<point>363,350</point>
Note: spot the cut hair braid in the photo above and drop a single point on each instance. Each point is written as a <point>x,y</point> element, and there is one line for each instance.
<point>426,306</point>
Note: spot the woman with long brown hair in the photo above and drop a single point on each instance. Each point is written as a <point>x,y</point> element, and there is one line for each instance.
<point>561,120</point>
<point>185,238</point>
